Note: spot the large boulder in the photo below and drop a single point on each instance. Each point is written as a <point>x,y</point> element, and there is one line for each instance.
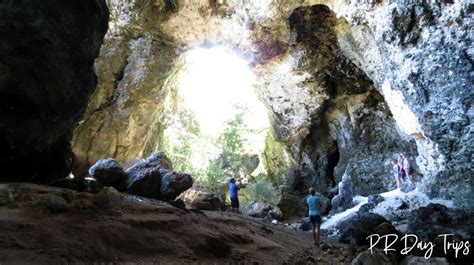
<point>109,172</point>
<point>262,210</point>
<point>459,223</point>
<point>356,229</point>
<point>144,180</point>
<point>372,202</point>
<point>200,197</point>
<point>48,51</point>
<point>441,220</point>
<point>150,180</point>
<point>173,184</point>
<point>215,203</point>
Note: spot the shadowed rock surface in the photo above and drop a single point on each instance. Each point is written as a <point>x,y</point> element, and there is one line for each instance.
<point>47,56</point>
<point>109,172</point>
<point>150,180</point>
<point>355,230</point>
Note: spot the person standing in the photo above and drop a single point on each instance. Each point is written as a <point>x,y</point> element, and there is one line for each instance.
<point>314,214</point>
<point>396,172</point>
<point>234,196</point>
<point>402,173</point>
<point>407,168</point>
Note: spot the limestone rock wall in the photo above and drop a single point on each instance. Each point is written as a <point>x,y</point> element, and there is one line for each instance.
<point>345,84</point>
<point>134,63</point>
<point>420,58</point>
<point>47,54</point>
<point>342,121</point>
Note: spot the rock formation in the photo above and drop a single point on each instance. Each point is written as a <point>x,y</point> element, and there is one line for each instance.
<point>344,83</point>
<point>109,172</point>
<point>153,178</point>
<point>348,86</point>
<point>48,51</point>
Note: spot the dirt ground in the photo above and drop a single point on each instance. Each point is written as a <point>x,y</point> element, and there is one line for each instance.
<point>145,231</point>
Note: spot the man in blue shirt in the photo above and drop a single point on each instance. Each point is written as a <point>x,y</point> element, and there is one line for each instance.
<point>314,214</point>
<point>234,196</point>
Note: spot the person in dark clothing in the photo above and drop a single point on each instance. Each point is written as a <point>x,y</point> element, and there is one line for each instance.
<point>234,196</point>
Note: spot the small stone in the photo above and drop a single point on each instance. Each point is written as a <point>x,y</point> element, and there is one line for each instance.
<point>375,199</point>
<point>262,210</point>
<point>178,203</point>
<point>6,194</point>
<point>108,199</point>
<point>55,204</point>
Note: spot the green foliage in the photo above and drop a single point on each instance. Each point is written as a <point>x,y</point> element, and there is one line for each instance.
<point>229,162</point>
<point>178,146</point>
<point>263,191</point>
<point>215,180</point>
<point>231,143</point>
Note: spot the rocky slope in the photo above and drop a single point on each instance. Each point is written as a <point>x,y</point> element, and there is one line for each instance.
<point>51,225</point>
<point>345,84</point>
<point>48,50</point>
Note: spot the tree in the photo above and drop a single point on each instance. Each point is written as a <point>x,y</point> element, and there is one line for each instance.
<point>229,162</point>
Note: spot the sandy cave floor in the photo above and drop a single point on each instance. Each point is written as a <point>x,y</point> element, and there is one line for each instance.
<point>145,231</point>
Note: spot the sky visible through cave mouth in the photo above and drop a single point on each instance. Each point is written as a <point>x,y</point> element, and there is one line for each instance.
<point>214,87</point>
<point>214,83</point>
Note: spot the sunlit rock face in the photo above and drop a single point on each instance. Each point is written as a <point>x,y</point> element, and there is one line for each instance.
<point>344,84</point>
<point>48,50</point>
<point>134,62</point>
<point>332,117</point>
<point>420,59</point>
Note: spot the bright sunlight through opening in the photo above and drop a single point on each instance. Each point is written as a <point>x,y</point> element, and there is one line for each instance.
<point>214,88</point>
<point>214,84</point>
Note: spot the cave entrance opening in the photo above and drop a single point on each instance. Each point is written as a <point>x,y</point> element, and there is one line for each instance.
<point>215,124</point>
